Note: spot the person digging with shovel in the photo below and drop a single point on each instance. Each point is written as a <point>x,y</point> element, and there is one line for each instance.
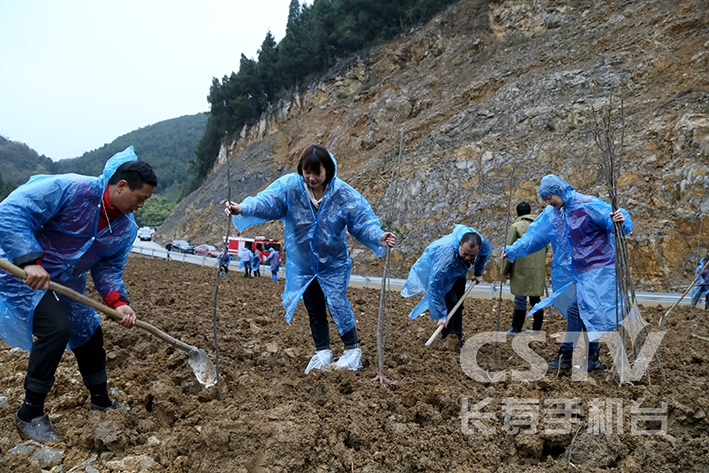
<point>440,274</point>
<point>58,228</point>
<point>318,209</point>
<point>581,230</point>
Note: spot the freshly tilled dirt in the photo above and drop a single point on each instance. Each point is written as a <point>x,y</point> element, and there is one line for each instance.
<point>274,418</point>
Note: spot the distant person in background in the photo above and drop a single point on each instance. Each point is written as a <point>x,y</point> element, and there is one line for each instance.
<point>274,259</point>
<point>700,291</point>
<point>318,209</point>
<point>224,259</point>
<point>527,275</point>
<point>246,261</point>
<point>256,264</point>
<point>440,274</point>
<point>59,228</point>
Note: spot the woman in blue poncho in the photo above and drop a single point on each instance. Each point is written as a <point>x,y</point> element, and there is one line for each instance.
<point>581,231</point>
<point>317,209</point>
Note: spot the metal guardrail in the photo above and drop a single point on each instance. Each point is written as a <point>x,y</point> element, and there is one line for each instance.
<point>205,261</point>
<point>490,291</point>
<point>481,291</point>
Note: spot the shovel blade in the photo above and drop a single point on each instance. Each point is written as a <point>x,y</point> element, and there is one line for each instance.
<point>203,368</point>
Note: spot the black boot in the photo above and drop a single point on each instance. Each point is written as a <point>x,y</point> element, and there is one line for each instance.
<point>538,320</point>
<point>517,322</point>
<point>562,360</point>
<point>593,363</point>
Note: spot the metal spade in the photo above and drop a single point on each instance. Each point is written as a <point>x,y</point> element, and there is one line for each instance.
<point>199,361</point>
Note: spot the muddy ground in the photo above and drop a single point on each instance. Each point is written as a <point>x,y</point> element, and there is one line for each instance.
<point>274,418</point>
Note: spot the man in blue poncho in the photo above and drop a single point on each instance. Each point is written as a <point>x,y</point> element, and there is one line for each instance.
<point>581,231</point>
<point>58,228</point>
<point>440,274</point>
<point>318,209</point>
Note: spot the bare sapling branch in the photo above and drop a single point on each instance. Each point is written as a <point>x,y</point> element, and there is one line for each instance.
<point>384,317</point>
<point>609,134</point>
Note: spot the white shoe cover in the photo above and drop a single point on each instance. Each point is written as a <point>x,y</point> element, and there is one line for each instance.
<point>351,359</point>
<point>320,360</point>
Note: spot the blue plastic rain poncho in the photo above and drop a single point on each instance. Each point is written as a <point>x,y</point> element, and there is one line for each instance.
<point>275,259</point>
<point>245,258</point>
<point>583,266</point>
<point>316,242</point>
<point>439,265</point>
<point>701,287</point>
<point>56,218</point>
<point>224,258</point>
<point>256,261</point>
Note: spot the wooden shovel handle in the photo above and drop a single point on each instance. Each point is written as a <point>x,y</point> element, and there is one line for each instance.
<point>450,314</point>
<point>663,319</point>
<point>112,313</point>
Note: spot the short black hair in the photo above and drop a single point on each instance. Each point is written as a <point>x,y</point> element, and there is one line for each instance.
<point>135,173</point>
<point>314,157</point>
<point>523,208</point>
<point>472,239</point>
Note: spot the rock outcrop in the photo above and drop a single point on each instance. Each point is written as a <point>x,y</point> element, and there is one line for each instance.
<point>482,102</point>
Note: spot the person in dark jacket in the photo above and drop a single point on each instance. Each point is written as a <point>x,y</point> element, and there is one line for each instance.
<point>527,275</point>
<point>58,228</point>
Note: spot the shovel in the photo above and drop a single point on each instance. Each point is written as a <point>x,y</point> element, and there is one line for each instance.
<point>663,319</point>
<point>200,363</point>
<point>450,314</point>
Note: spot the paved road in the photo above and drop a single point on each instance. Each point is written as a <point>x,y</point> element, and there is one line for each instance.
<point>154,250</point>
<point>481,291</point>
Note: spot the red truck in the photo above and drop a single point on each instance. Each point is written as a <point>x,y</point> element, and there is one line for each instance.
<point>258,243</point>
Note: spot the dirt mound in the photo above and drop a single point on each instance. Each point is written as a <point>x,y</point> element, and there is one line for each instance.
<point>274,418</point>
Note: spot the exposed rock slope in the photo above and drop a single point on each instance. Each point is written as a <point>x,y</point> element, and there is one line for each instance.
<point>494,93</point>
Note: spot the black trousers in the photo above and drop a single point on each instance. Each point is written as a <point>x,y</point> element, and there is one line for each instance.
<point>455,324</point>
<point>316,305</point>
<point>51,328</point>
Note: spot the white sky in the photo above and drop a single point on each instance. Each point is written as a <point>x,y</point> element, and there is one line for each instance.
<point>76,74</point>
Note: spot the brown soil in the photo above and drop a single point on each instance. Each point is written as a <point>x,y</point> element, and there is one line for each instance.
<point>274,418</point>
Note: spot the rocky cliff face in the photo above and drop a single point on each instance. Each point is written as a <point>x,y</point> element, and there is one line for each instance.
<point>482,102</point>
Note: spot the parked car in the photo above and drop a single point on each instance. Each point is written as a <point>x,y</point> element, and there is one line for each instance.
<point>206,250</point>
<point>145,234</point>
<point>181,246</point>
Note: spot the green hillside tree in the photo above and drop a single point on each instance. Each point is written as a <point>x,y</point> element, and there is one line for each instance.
<point>156,210</point>
<point>168,146</point>
<point>5,188</point>
<point>316,37</point>
<point>18,162</point>
<point>267,74</point>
